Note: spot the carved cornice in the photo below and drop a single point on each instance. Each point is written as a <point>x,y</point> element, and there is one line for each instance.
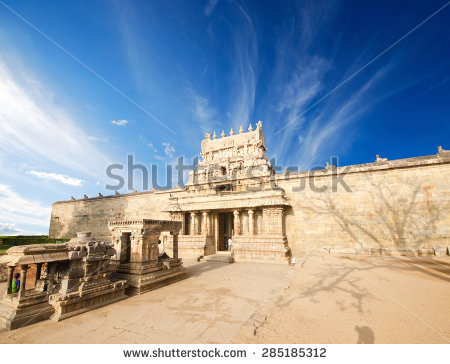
<point>236,200</point>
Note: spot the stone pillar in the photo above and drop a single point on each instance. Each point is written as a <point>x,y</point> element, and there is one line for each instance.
<point>251,226</point>
<point>237,225</point>
<point>9,279</point>
<point>51,277</point>
<point>193,223</point>
<point>23,279</point>
<point>175,246</point>
<point>280,220</point>
<point>204,226</point>
<point>208,225</point>
<point>183,223</point>
<point>244,227</point>
<point>38,270</point>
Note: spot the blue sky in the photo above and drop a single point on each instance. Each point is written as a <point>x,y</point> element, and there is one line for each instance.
<point>150,78</point>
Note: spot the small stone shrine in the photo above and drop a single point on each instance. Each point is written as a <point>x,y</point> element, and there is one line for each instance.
<point>84,273</point>
<point>86,281</point>
<point>137,255</point>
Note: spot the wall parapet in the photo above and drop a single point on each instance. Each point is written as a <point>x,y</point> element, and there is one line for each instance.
<point>413,162</point>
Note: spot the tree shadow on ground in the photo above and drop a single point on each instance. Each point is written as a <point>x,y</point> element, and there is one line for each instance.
<point>336,278</point>
<point>426,265</point>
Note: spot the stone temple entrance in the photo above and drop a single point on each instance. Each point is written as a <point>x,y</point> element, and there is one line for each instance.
<point>226,222</point>
<point>230,194</point>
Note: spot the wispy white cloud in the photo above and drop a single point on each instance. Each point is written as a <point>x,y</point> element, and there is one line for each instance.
<point>97,139</point>
<point>211,4</point>
<point>36,129</point>
<point>50,176</point>
<point>298,80</point>
<point>119,122</point>
<point>16,208</point>
<point>169,149</point>
<point>204,114</point>
<point>152,147</point>
<point>9,229</point>
<point>245,55</point>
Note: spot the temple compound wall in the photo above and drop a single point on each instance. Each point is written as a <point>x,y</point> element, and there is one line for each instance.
<point>235,194</point>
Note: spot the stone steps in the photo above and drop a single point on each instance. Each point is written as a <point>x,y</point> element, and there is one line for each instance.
<point>219,258</point>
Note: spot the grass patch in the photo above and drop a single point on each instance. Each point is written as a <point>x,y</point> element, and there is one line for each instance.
<point>4,248</point>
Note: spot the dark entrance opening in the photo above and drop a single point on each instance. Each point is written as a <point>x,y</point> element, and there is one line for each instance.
<point>225,230</point>
<point>125,248</point>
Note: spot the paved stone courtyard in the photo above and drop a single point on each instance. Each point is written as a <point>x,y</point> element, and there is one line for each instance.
<point>362,299</point>
<point>207,307</point>
<point>331,299</point>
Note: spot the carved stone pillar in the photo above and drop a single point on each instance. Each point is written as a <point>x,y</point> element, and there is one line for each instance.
<point>204,228</point>
<point>208,225</point>
<point>244,227</point>
<point>193,218</point>
<point>251,226</point>
<point>175,246</point>
<point>51,277</point>
<point>183,223</point>
<point>237,225</point>
<point>23,279</point>
<point>9,279</point>
<point>279,213</point>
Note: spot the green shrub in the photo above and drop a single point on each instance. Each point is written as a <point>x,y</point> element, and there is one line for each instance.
<point>25,240</point>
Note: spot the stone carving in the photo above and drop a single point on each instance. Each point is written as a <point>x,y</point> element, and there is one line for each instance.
<point>240,156</point>
<point>443,152</point>
<point>380,160</point>
<point>137,260</point>
<point>78,278</point>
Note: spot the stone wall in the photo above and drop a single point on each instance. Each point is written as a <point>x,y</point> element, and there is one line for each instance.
<point>400,203</point>
<point>93,214</point>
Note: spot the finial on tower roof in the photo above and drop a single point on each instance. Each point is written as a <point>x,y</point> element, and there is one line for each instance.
<point>259,124</point>
<point>208,136</point>
<point>100,195</point>
<point>231,131</point>
<point>215,135</point>
<point>223,134</point>
<point>72,198</point>
<point>250,127</point>
<point>241,130</point>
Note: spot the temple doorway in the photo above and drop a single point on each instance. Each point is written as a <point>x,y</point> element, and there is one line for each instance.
<point>125,248</point>
<point>225,230</point>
